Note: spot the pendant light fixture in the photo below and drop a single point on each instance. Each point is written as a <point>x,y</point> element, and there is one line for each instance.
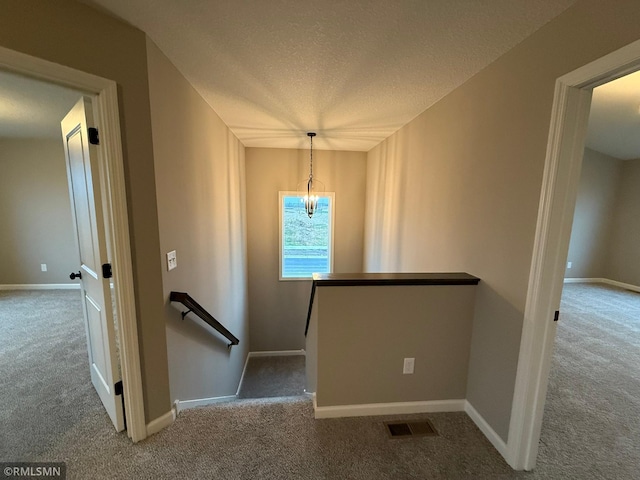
<point>313,186</point>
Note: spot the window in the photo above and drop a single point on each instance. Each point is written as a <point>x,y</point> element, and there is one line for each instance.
<point>306,244</point>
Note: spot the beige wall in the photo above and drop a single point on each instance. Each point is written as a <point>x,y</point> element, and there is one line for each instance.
<point>35,213</point>
<point>624,253</point>
<point>457,189</point>
<point>199,167</point>
<point>278,309</point>
<point>363,334</point>
<point>606,224</point>
<point>77,36</point>
<point>593,218</point>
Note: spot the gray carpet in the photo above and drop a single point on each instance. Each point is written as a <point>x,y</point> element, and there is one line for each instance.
<point>273,376</point>
<point>45,387</point>
<point>280,439</point>
<point>591,424</point>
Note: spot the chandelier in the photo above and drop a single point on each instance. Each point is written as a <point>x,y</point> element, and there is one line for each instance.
<point>313,186</point>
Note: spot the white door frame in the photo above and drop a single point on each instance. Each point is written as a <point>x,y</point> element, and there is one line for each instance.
<point>111,172</point>
<point>563,163</point>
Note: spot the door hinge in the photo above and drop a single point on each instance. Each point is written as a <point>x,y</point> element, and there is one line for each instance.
<point>556,315</point>
<point>106,271</point>
<point>118,389</point>
<point>93,136</point>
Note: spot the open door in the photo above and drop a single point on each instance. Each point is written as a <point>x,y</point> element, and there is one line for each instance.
<point>93,274</point>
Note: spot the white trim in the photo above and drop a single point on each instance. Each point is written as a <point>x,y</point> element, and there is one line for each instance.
<point>266,353</point>
<point>50,71</point>
<point>161,422</point>
<point>485,428</point>
<point>627,286</point>
<point>276,353</point>
<point>557,204</point>
<point>371,409</point>
<point>615,283</point>
<point>115,210</point>
<point>332,215</point>
<point>181,405</point>
<point>584,280</point>
<point>113,179</point>
<point>41,286</point>
<point>244,370</point>
<point>557,201</point>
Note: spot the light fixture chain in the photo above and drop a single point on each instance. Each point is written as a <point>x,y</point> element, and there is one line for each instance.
<point>310,200</point>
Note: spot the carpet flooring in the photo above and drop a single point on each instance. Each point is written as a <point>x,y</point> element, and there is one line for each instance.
<point>273,376</point>
<point>591,424</point>
<point>590,431</point>
<point>45,386</point>
<point>280,439</point>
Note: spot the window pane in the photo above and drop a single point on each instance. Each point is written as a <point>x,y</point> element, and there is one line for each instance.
<point>306,241</point>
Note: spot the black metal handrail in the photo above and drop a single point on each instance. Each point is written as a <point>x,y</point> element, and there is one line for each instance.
<point>311,297</point>
<point>196,308</point>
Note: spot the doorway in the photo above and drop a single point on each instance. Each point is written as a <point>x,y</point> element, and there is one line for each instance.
<point>593,382</point>
<point>44,348</point>
<point>113,201</point>
<point>557,205</point>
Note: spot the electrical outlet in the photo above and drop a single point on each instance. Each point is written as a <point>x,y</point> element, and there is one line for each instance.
<point>569,264</point>
<point>409,363</point>
<point>172,260</point>
<point>43,267</point>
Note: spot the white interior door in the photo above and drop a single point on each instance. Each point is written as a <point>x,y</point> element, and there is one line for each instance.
<point>84,190</point>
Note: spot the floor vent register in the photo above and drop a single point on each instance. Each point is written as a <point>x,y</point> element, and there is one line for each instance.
<point>400,429</point>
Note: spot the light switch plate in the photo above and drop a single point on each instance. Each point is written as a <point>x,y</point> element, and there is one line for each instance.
<point>43,267</point>
<point>409,364</point>
<point>172,260</point>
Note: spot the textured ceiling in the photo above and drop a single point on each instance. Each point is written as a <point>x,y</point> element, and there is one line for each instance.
<point>614,120</point>
<point>352,70</point>
<point>30,108</point>
<point>342,82</point>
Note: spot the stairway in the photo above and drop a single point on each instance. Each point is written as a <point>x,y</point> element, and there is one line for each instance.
<point>273,376</point>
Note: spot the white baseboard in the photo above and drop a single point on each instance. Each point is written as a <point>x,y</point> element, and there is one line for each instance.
<point>615,283</point>
<point>628,286</point>
<point>244,370</point>
<point>485,428</point>
<point>41,286</point>
<point>371,409</point>
<point>161,422</point>
<point>181,405</point>
<point>584,280</point>
<point>277,353</point>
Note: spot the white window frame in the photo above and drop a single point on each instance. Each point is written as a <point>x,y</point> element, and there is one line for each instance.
<point>332,211</point>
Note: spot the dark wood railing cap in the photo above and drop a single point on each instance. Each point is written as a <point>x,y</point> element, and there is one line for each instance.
<point>389,279</point>
<point>363,279</point>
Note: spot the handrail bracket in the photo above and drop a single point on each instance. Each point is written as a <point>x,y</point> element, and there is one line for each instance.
<point>196,308</point>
